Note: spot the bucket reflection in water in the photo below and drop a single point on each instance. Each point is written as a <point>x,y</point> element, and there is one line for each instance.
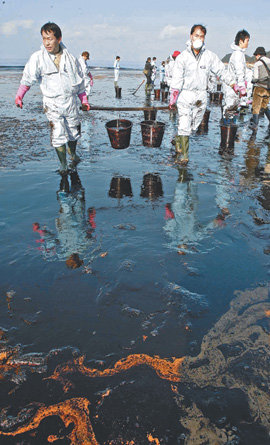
<point>120,187</point>
<point>152,133</point>
<point>228,134</point>
<point>119,131</point>
<point>151,186</point>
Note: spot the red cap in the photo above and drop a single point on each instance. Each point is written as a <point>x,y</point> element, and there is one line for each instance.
<point>176,53</point>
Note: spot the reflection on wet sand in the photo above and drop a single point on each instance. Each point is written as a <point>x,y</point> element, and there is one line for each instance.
<point>220,392</point>
<point>183,226</point>
<point>120,187</point>
<point>151,186</point>
<point>74,230</point>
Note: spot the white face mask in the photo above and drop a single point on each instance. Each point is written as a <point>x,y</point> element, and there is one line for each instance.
<point>197,44</point>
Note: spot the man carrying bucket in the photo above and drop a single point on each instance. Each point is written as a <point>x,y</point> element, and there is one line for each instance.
<point>189,84</point>
<point>61,81</point>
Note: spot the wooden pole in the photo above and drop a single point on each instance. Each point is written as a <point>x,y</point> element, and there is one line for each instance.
<point>97,108</point>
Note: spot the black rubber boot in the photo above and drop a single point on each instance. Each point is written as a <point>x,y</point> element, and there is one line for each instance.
<point>61,153</point>
<point>267,113</point>
<point>253,125</point>
<point>75,159</point>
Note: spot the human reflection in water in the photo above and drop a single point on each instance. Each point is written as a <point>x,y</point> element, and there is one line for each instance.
<point>249,175</point>
<point>151,187</point>
<point>74,230</point>
<point>182,225</point>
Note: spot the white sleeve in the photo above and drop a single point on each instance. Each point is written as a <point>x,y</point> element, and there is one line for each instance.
<point>31,72</point>
<point>218,68</point>
<point>178,73</point>
<point>240,68</point>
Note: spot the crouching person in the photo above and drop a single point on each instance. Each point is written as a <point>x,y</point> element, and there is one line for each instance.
<point>61,81</point>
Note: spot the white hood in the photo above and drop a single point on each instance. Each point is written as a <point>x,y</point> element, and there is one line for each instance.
<point>235,47</point>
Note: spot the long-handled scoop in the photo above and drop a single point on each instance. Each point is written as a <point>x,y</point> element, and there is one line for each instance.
<point>139,86</point>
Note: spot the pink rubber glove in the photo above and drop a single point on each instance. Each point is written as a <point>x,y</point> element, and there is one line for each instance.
<point>84,101</point>
<point>20,94</point>
<point>91,79</point>
<point>173,97</point>
<point>242,91</point>
<point>235,88</point>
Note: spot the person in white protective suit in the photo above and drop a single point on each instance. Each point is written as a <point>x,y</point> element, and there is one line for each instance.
<point>170,67</point>
<point>238,70</point>
<point>61,81</point>
<point>162,74</point>
<point>154,70</point>
<point>166,77</point>
<point>116,66</point>
<point>189,84</point>
<point>88,78</point>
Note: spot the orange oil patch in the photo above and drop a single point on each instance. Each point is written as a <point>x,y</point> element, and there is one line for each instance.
<point>106,393</point>
<point>174,389</point>
<point>74,411</point>
<point>165,369</point>
<point>153,439</point>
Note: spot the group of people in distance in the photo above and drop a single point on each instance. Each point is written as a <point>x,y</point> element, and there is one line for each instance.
<point>62,78</point>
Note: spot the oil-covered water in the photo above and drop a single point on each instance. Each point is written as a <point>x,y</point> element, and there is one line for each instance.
<point>133,284</point>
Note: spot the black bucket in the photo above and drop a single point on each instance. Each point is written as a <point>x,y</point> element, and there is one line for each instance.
<point>219,85</point>
<point>118,92</point>
<point>228,134</point>
<point>164,95</point>
<point>152,133</point>
<point>119,131</point>
<point>203,127</point>
<point>218,97</point>
<point>157,94</point>
<point>120,187</point>
<point>151,186</point>
<point>212,97</point>
<point>150,115</point>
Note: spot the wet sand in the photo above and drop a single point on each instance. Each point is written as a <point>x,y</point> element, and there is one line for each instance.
<point>158,330</point>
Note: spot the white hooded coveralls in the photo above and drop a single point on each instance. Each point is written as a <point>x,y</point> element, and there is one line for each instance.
<point>190,77</point>
<point>86,74</point>
<point>59,89</point>
<point>237,70</point>
<point>116,70</point>
<point>169,71</point>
